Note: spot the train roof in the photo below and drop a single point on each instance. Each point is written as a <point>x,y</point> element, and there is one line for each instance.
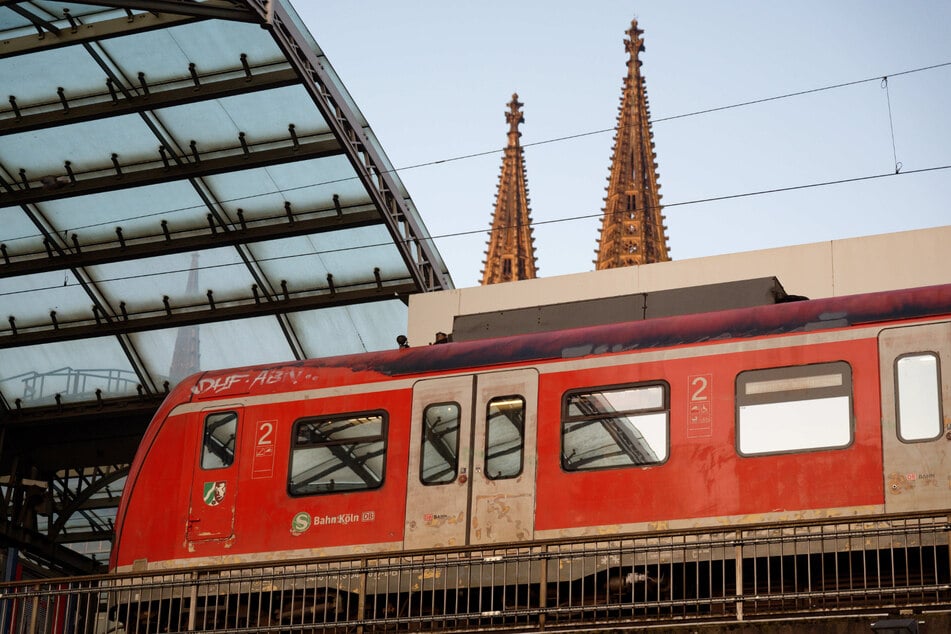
<point>783,318</point>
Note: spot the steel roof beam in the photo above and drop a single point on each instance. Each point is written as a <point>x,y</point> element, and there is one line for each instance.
<point>64,559</point>
<point>93,31</point>
<point>218,9</point>
<point>234,160</point>
<point>310,299</point>
<point>109,106</point>
<point>408,234</point>
<point>160,244</point>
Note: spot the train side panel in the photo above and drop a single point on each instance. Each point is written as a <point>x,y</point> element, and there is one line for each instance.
<point>155,503</point>
<point>702,479</point>
<point>276,523</point>
<point>180,491</point>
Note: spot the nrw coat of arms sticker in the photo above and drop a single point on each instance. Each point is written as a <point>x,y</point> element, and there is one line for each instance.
<point>214,492</point>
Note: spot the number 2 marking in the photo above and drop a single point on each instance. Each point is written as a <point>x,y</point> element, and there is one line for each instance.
<point>265,430</point>
<point>700,382</point>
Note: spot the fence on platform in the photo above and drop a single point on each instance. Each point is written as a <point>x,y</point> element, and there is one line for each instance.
<point>833,567</point>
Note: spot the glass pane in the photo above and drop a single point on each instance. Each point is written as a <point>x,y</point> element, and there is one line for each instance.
<point>795,425</point>
<point>338,455</point>
<point>505,431</point>
<point>919,403</point>
<point>439,461</point>
<point>217,450</point>
<point>615,428</point>
<point>615,442</point>
<point>794,408</point>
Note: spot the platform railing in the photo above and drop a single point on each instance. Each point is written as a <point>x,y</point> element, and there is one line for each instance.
<point>853,566</point>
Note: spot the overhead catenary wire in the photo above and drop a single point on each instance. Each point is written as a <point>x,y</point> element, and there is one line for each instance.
<point>495,151</point>
<point>457,234</point>
<point>482,231</point>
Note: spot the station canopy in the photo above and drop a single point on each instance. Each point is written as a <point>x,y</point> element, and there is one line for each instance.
<point>185,185</point>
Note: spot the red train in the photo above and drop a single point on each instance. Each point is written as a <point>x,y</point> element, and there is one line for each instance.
<point>808,409</point>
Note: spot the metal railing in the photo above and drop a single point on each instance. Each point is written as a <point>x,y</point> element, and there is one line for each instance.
<point>730,574</point>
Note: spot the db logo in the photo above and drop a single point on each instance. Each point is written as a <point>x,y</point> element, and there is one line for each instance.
<point>300,523</point>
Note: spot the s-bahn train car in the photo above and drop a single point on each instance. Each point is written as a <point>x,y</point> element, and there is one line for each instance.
<point>835,407</point>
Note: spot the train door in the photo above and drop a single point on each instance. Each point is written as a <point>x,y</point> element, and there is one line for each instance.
<point>214,477</point>
<point>916,406</point>
<point>472,460</point>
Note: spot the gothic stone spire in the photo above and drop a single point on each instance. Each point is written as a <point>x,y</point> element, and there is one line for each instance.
<point>632,229</point>
<point>511,251</point>
<point>186,356</point>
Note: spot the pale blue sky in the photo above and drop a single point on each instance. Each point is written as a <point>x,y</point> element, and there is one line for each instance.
<point>433,79</point>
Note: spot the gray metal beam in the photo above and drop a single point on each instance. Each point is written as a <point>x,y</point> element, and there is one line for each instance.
<point>109,105</point>
<point>310,299</point>
<point>62,558</point>
<point>97,30</point>
<point>156,172</point>
<point>219,9</point>
<point>419,252</point>
<point>159,244</point>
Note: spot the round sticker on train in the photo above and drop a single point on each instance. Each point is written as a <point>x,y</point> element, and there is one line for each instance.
<point>300,523</point>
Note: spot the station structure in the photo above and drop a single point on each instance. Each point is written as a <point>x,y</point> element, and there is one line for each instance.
<point>187,185</point>
<point>183,186</point>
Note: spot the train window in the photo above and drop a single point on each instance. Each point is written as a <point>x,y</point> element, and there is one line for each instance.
<point>217,447</point>
<point>504,437</point>
<point>918,385</point>
<point>335,454</point>
<point>615,427</point>
<point>796,408</point>
<point>439,461</point>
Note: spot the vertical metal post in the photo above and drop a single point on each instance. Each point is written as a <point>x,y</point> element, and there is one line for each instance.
<point>543,587</point>
<point>361,594</point>
<point>192,605</point>
<point>738,556</point>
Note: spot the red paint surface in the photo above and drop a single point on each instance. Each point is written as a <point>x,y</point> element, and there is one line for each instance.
<point>704,476</point>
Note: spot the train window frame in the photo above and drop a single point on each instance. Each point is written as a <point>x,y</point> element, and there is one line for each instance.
<point>211,450</point>
<point>297,448</point>
<point>934,395</point>
<point>519,425</point>
<point>808,388</point>
<point>423,444</point>
<point>570,422</point>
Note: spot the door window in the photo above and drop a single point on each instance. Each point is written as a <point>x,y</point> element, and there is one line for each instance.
<point>505,437</point>
<point>439,461</point>
<point>917,386</point>
<point>217,450</point>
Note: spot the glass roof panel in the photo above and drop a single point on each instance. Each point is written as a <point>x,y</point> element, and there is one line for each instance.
<point>40,74</point>
<point>348,329</point>
<point>88,145</point>
<point>142,283</point>
<point>18,233</point>
<point>307,185</point>
<point>349,255</point>
<point>139,211</point>
<point>212,45</point>
<point>227,344</point>
<point>72,369</point>
<point>222,119</point>
<point>30,298</point>
<point>162,47</point>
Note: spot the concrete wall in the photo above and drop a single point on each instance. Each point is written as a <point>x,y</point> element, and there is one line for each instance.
<point>822,269</point>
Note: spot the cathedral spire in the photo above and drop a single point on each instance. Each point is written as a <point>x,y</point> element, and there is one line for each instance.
<point>186,356</point>
<point>632,229</point>
<point>510,254</point>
